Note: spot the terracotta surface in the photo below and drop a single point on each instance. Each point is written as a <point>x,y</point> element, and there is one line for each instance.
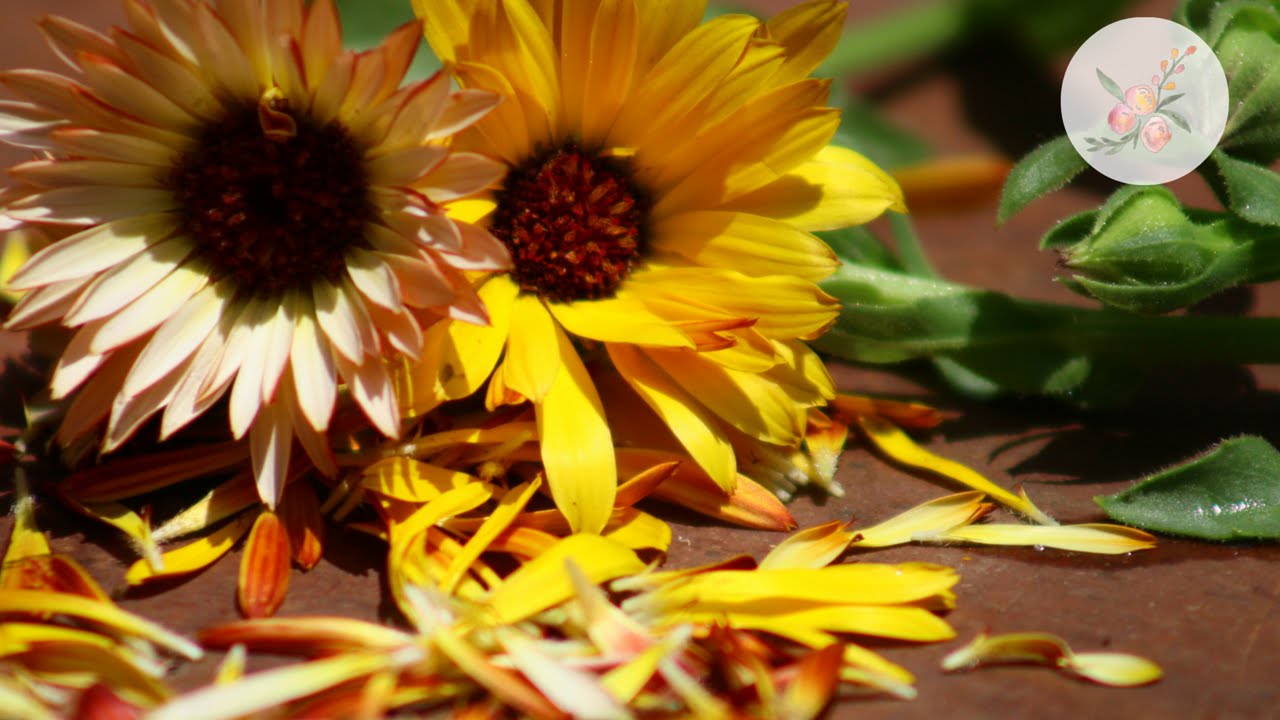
<point>1207,613</point>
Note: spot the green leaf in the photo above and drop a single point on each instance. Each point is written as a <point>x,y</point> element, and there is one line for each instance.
<point>1070,231</point>
<point>1110,85</point>
<point>1230,493</point>
<point>1043,170</point>
<point>1245,35</point>
<point>1248,190</point>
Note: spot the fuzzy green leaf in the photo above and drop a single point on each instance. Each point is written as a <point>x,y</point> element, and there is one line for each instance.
<point>1250,191</point>
<point>1043,170</point>
<point>1230,493</point>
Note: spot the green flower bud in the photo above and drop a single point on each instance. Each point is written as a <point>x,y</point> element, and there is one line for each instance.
<point>1144,253</point>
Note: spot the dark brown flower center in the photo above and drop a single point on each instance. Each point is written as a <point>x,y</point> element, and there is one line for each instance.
<point>273,199</point>
<point>574,223</point>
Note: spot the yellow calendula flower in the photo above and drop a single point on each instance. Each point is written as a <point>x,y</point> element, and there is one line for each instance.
<point>255,213</point>
<point>664,177</point>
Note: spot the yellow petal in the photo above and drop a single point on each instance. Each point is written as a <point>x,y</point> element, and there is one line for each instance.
<point>691,70</point>
<point>220,503</point>
<point>510,505</point>
<point>638,530</point>
<point>683,415</point>
<point>33,601</point>
<point>577,446</point>
<point>133,525</point>
<point>752,148</point>
<point>454,502</point>
<point>543,582</point>
<point>1117,669</point>
<point>750,504</point>
<point>195,555</point>
<point>898,623</point>
<point>470,210</point>
<point>813,547</point>
<point>809,32</point>
<point>751,244</point>
<point>837,189</point>
<point>1097,538</point>
<point>608,76</point>
<point>457,357</point>
<point>926,520</point>
<point>232,666</point>
<point>627,680</point>
<point>25,539</point>
<point>783,307</point>
<point>17,637</point>
<point>84,665</point>
<point>271,689</point>
<point>861,583</point>
<point>745,400</point>
<point>533,353</point>
<point>412,481</point>
<point>899,447</point>
<point>621,319</point>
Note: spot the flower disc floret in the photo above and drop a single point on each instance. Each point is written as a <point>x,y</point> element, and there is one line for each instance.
<point>274,209</point>
<point>574,223</point>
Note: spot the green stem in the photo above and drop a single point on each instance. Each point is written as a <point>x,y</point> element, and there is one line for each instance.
<point>890,317</point>
<point>1171,340</point>
<point>910,252</point>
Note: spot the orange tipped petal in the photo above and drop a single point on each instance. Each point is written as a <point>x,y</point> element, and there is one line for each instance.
<point>300,513</point>
<point>264,567</point>
<point>134,476</point>
<point>953,183</point>
<point>816,680</point>
<point>905,414</point>
<point>54,573</point>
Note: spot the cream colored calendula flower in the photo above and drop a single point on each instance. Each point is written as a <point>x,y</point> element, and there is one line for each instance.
<point>258,214</point>
<point>664,178</point>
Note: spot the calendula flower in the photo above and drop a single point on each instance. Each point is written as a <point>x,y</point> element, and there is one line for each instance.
<point>256,213</point>
<point>663,180</point>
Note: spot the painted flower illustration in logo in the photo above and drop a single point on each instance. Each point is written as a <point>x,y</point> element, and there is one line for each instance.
<point>1143,112</point>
